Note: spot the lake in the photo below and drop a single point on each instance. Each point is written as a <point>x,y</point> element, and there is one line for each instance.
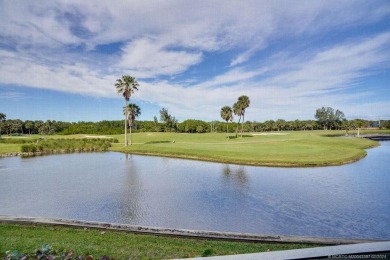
<point>349,201</point>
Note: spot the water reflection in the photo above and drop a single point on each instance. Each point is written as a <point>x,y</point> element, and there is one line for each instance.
<point>129,208</point>
<point>343,201</point>
<point>236,174</point>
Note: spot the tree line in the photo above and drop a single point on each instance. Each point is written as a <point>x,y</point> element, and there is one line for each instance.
<point>49,127</point>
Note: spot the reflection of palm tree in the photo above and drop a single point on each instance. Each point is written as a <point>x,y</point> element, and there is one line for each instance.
<point>239,175</point>
<point>226,170</point>
<point>131,204</point>
<point>242,178</point>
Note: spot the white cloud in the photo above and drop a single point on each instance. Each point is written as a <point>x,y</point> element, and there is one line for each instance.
<point>149,58</point>
<point>204,25</point>
<point>13,95</point>
<point>243,57</point>
<point>74,78</point>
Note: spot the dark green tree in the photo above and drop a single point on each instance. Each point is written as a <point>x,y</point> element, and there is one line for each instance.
<point>328,118</point>
<point>244,103</point>
<point>2,118</point>
<point>29,125</point>
<point>227,115</point>
<point>169,120</point>
<point>280,124</point>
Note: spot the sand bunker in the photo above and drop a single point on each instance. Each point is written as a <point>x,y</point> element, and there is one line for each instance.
<point>271,134</point>
<point>96,136</point>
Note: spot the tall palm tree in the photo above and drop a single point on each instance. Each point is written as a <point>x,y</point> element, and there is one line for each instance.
<point>237,111</point>
<point>227,115</point>
<point>244,104</point>
<point>2,117</point>
<point>126,86</point>
<point>133,111</point>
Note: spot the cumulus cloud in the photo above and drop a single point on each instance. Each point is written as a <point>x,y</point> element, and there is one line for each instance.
<point>149,58</point>
<point>74,78</point>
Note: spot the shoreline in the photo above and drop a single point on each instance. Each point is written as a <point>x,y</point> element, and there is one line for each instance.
<point>253,163</point>
<point>186,233</point>
<point>249,163</point>
<point>205,159</point>
<point>299,150</point>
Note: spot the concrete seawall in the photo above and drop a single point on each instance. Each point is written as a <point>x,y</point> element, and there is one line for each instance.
<point>377,137</point>
<point>228,236</point>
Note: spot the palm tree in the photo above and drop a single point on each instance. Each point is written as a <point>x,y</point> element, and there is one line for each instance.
<point>237,111</point>
<point>126,86</point>
<point>244,104</point>
<point>359,124</point>
<point>28,125</point>
<point>134,111</point>
<point>2,117</point>
<point>227,115</point>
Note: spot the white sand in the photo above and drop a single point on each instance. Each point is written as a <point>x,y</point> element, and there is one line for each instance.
<point>271,134</point>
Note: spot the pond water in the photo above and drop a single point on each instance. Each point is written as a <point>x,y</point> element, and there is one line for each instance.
<point>349,201</point>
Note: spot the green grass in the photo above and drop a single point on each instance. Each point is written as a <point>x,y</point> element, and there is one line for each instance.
<point>121,245</point>
<point>9,148</point>
<point>303,148</point>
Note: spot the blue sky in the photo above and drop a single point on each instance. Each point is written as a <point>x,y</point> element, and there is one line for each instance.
<point>59,60</point>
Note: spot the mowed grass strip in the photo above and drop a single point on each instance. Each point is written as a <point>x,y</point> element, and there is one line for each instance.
<point>121,245</point>
<point>9,148</point>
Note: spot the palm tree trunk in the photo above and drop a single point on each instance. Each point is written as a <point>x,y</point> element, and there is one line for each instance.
<point>227,129</point>
<point>126,143</point>
<point>131,136</point>
<point>242,124</point>
<point>237,126</point>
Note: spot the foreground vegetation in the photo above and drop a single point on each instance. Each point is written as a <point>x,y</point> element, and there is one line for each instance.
<point>67,145</point>
<point>121,245</point>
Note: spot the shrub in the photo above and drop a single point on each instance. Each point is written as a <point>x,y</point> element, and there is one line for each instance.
<point>68,145</point>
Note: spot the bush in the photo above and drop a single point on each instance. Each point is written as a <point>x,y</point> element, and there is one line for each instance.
<point>68,145</point>
<point>28,148</point>
<point>16,141</point>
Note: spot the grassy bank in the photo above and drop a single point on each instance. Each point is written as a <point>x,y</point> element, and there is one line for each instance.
<point>121,245</point>
<point>304,148</point>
